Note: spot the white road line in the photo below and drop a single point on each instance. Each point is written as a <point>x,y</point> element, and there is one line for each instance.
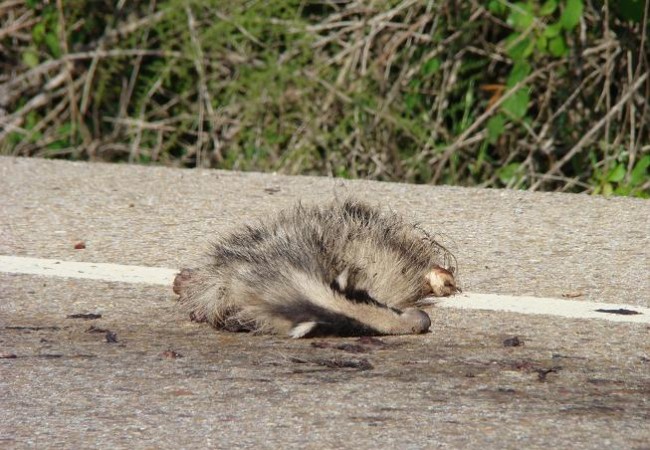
<point>573,309</point>
<point>490,302</point>
<point>85,270</point>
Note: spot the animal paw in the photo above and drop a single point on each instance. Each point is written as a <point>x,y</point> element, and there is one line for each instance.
<point>418,321</point>
<point>302,329</point>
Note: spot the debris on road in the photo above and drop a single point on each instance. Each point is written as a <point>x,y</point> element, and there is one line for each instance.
<point>111,337</point>
<point>621,311</point>
<point>513,342</point>
<point>85,316</point>
<point>171,354</point>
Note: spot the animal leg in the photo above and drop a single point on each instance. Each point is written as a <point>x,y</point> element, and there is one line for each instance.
<point>319,310</point>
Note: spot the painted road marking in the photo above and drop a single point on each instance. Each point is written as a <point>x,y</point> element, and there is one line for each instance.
<point>85,270</point>
<point>574,309</point>
<point>491,302</point>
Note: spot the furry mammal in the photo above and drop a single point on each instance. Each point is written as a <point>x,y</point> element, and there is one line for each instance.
<point>343,269</point>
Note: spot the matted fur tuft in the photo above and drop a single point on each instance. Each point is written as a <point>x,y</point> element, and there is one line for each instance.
<point>342,269</point>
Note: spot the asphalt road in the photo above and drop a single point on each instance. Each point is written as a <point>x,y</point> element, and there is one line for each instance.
<point>142,375</point>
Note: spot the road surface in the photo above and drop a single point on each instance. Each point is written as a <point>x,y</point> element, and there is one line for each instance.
<point>114,363</point>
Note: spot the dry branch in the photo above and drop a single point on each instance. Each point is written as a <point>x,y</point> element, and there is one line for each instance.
<point>592,132</point>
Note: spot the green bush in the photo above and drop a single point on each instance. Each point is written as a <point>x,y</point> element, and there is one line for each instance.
<point>534,95</point>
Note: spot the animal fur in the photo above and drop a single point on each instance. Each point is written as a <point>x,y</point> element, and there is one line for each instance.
<point>343,269</point>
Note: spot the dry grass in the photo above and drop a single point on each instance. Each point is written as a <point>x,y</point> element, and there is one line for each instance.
<point>391,90</point>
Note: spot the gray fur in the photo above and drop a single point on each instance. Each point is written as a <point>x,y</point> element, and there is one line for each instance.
<point>343,269</point>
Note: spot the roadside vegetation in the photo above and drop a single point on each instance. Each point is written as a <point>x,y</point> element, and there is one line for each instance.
<point>544,95</point>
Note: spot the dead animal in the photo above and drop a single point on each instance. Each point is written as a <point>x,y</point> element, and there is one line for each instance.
<point>345,269</point>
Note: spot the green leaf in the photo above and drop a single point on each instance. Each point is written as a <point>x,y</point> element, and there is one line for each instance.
<point>38,32</point>
<point>548,8</point>
<point>521,16</point>
<point>495,127</point>
<point>553,30</point>
<point>496,7</point>
<point>542,43</point>
<point>30,58</point>
<point>52,43</point>
<point>608,189</point>
<point>508,172</point>
<point>639,173</point>
<point>617,174</point>
<point>557,47</point>
<point>519,48</point>
<point>411,101</point>
<point>519,71</point>
<point>431,66</point>
<point>516,105</point>
<point>571,14</point>
<point>623,190</point>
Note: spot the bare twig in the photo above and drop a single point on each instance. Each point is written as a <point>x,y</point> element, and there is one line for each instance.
<point>591,133</point>
<point>482,118</point>
<point>24,21</point>
<point>131,86</point>
<point>206,101</point>
<point>77,119</point>
<point>642,60</point>
<point>609,67</point>
<point>375,113</point>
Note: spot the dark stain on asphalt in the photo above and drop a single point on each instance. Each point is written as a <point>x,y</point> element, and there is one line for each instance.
<point>619,311</point>
<point>336,363</point>
<point>347,347</point>
<point>543,372</point>
<point>513,342</point>
<point>364,344</point>
<point>27,328</point>
<point>85,316</point>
